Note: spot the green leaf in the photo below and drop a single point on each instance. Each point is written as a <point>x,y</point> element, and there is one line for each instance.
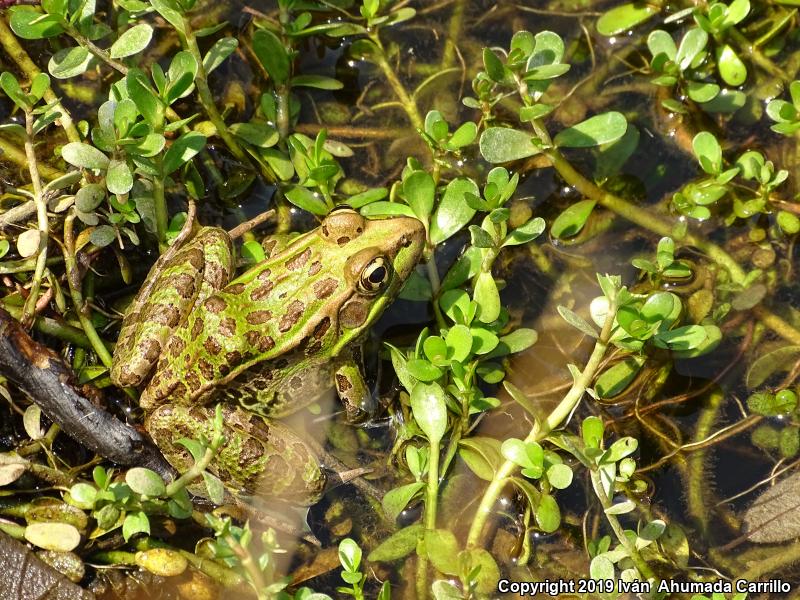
<point>708,152</point>
<point>419,191</point>
<point>119,178</point>
<point>577,321</point>
<point>260,135</point>
<point>441,548</point>
<point>181,74</point>
<point>306,199</point>
<point>459,342</point>
<point>84,155</point>
<point>487,296</point>
<point>661,42</point>
<point>463,136</point>
<point>221,50</point>
<point>398,545</point>
<point>768,364</point>
<point>69,62</point>
<point>10,85</point>
<point>599,129</point>
<point>482,455</point>
<point>272,55</point>
<point>319,82</point>
<point>692,44</point>
<point>30,24</point>
<point>172,13</point>
<point>682,338</point>
<point>429,407</point>
<point>493,65</point>
<point>214,487</point>
<point>615,379</point>
<point>149,104</point>
<point>736,13</point>
<point>548,514</point>
<point>135,522</point>
<point>183,150</point>
<point>89,197</point>
<point>349,555</point>
<point>501,144</point>
<point>380,209</point>
<point>560,476</point>
<point>133,41</point>
<point>145,482</point>
<point>624,17</point>
<point>367,197</point>
<point>592,432</point>
<point>59,537</point>
<point>525,232</point>
<point>620,449</point>
<point>731,68</point>
<point>452,212</point>
<point>395,500</point>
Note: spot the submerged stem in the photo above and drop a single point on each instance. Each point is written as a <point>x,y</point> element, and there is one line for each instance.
<point>41,219</point>
<point>540,431</point>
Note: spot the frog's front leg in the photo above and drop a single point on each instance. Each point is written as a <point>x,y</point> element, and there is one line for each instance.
<point>352,389</point>
<point>259,456</point>
<point>174,288</point>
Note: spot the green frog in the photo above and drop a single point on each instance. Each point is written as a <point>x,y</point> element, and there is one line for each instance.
<point>262,345</point>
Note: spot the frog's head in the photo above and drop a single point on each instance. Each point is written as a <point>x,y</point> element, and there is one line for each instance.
<point>380,256</point>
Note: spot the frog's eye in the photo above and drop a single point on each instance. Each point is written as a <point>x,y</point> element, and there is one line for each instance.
<point>374,276</point>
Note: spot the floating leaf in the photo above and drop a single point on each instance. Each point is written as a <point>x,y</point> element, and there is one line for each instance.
<point>599,129</point>
<point>775,515</point>
<point>572,219</point>
<point>501,144</point>
<point>60,537</point>
<point>624,17</point>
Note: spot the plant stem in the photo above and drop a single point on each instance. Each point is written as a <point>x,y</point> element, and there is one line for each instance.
<point>89,45</point>
<point>619,532</point>
<point>397,86</point>
<point>431,501</point>
<point>11,46</point>
<point>41,218</point>
<point>74,280</point>
<point>10,151</point>
<point>541,431</point>
<point>194,472</point>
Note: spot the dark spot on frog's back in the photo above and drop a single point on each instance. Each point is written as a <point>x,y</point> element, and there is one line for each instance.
<point>212,346</point>
<point>292,315</point>
<point>324,288</point>
<point>343,240</point>
<point>168,315</point>
<point>215,304</point>
<point>197,328</point>
<point>265,287</point>
<point>315,268</point>
<point>152,350</point>
<point>297,262</point>
<point>236,288</point>
<point>184,284</point>
<point>227,327</point>
<point>233,358</point>
<point>259,317</point>
<point>193,381</point>
<point>258,341</point>
<point>206,368</point>
<point>195,258</point>
<point>322,328</point>
<point>343,383</point>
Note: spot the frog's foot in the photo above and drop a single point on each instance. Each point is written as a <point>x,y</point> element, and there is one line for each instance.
<point>258,457</point>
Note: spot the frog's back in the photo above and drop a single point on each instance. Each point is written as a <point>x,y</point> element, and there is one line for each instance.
<point>284,310</point>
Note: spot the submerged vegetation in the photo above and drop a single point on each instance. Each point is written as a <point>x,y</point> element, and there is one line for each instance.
<point>620,177</point>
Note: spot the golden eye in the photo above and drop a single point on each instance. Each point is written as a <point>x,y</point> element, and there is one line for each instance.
<point>374,276</point>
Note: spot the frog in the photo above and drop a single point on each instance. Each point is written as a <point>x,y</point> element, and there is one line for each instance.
<point>261,345</point>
